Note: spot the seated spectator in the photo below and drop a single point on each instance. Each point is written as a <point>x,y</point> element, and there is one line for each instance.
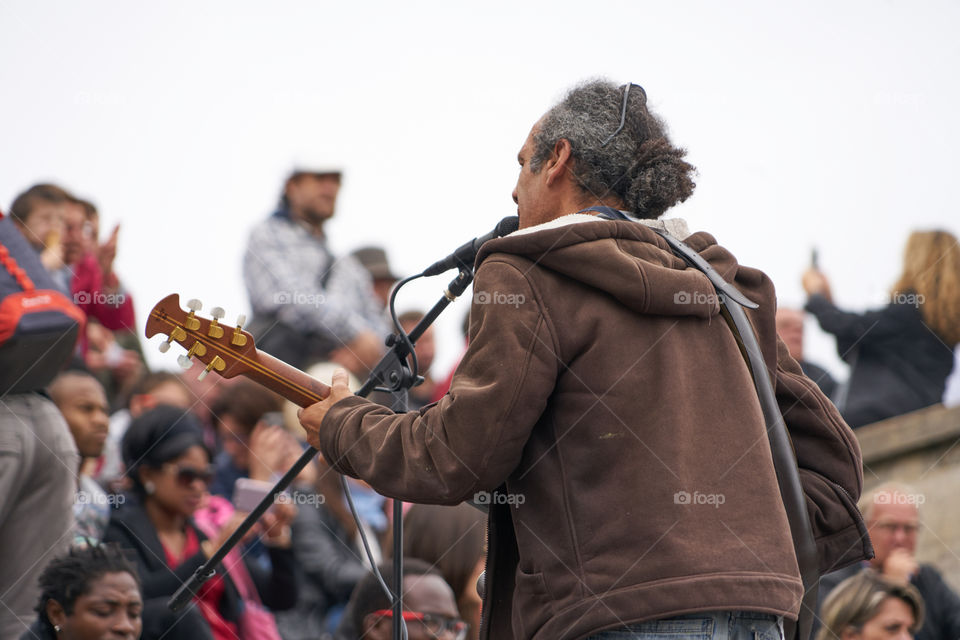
<point>900,356</point>
<point>452,539</point>
<point>98,292</point>
<point>92,593</point>
<point>38,458</point>
<point>329,553</point>
<point>892,516</point>
<point>89,265</point>
<point>429,609</point>
<point>374,260</point>
<point>40,212</point>
<point>248,448</point>
<point>790,330</point>
<point>151,390</point>
<point>83,403</point>
<point>54,222</point>
<point>868,607</point>
<point>170,469</point>
<point>308,304</point>
<point>203,394</point>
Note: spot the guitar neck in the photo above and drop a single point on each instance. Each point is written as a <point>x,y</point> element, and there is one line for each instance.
<point>289,382</point>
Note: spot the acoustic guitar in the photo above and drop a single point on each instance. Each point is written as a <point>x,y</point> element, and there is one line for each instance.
<point>228,351</point>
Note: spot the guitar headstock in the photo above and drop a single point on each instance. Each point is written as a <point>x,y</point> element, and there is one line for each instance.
<point>226,349</point>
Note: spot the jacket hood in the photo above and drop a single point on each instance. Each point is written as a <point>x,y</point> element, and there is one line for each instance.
<point>625,259</point>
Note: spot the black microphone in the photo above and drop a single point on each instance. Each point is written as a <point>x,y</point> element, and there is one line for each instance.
<point>464,256</point>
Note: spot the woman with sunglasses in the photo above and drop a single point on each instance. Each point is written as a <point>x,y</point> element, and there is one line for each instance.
<point>169,466</point>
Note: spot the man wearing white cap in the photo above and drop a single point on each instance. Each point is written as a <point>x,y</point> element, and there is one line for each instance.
<point>309,304</point>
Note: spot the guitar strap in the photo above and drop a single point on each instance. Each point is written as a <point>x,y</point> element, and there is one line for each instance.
<point>781,447</point>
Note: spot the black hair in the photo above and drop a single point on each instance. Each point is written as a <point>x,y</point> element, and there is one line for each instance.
<point>452,538</point>
<point>158,436</point>
<point>68,577</point>
<point>368,596</point>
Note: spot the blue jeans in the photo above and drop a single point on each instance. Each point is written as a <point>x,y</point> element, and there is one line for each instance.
<point>708,625</point>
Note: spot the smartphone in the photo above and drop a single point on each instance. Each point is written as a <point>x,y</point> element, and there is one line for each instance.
<point>814,259</point>
<point>247,493</point>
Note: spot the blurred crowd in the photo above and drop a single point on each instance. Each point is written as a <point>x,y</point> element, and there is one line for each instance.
<point>118,483</point>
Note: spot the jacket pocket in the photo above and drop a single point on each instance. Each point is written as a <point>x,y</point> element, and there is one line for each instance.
<point>837,524</point>
<point>532,604</point>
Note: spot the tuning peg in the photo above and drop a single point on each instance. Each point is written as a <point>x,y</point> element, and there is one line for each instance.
<point>191,322</point>
<point>176,333</point>
<point>216,331</point>
<point>238,338</point>
<point>217,363</point>
<point>186,361</point>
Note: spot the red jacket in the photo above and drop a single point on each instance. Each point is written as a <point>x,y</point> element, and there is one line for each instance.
<point>113,310</point>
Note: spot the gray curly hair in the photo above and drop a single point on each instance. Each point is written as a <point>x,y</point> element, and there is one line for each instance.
<point>639,166</point>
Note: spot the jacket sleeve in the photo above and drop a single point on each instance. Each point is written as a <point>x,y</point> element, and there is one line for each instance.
<point>829,463</point>
<point>828,454</point>
<point>322,556</point>
<point>277,586</point>
<point>154,583</point>
<point>114,310</point>
<point>473,438</point>
<point>851,328</point>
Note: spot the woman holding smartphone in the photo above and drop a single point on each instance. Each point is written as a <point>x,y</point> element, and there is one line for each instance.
<point>170,469</point>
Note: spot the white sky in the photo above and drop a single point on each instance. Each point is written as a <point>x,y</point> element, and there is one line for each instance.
<point>811,123</point>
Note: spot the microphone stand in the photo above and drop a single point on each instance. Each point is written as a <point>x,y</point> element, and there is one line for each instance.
<point>390,374</point>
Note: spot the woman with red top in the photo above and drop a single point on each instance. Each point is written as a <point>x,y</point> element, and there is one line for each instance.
<point>170,469</point>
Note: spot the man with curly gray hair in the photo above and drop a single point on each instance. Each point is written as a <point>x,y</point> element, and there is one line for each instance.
<point>603,411</point>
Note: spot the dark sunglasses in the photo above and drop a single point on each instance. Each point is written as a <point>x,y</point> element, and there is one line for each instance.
<point>187,475</point>
<point>436,625</point>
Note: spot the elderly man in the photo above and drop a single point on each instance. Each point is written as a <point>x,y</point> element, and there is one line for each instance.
<point>790,330</point>
<point>308,304</point>
<point>892,513</point>
<point>603,410</point>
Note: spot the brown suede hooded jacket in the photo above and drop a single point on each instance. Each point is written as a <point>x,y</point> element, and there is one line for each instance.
<point>606,411</point>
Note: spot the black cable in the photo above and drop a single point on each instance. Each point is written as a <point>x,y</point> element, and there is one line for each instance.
<point>343,479</point>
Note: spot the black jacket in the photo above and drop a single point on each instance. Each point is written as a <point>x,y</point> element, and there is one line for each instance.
<point>329,568</point>
<point>131,528</point>
<point>898,364</point>
<point>942,618</point>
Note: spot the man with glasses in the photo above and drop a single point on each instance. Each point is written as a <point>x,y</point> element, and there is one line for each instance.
<point>429,607</point>
<point>892,515</point>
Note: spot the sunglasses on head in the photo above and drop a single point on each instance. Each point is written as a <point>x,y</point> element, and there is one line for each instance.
<point>436,625</point>
<point>187,475</point>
